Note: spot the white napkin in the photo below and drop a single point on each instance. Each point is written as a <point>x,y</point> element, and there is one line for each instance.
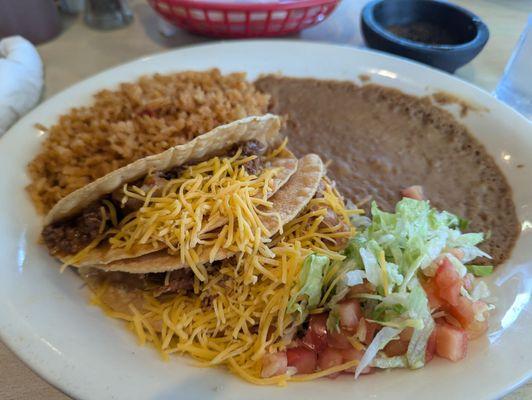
<point>21,79</point>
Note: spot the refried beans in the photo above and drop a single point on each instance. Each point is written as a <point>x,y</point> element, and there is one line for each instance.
<point>380,140</point>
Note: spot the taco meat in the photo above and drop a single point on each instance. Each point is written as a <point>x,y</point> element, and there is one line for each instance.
<point>71,236</point>
<point>180,281</point>
<point>252,148</point>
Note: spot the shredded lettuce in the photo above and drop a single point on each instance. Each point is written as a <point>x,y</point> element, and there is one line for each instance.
<point>480,291</point>
<point>412,238</point>
<point>480,270</point>
<point>311,281</point>
<point>333,320</point>
<point>387,312</point>
<point>381,339</point>
<point>460,267</point>
<point>355,277</point>
<point>391,252</point>
<point>415,354</point>
<point>401,323</point>
<point>472,252</point>
<point>466,240</point>
<point>384,362</point>
<point>463,224</point>
<point>360,221</point>
<point>373,271</point>
<point>417,302</point>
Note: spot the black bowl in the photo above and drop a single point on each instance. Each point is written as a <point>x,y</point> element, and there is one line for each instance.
<point>455,36</point>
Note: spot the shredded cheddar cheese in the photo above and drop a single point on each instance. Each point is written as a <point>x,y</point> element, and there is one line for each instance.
<point>215,193</point>
<point>234,319</point>
<point>384,272</point>
<point>324,226</point>
<point>215,204</point>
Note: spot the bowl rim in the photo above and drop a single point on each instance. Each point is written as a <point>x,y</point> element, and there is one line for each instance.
<point>480,39</point>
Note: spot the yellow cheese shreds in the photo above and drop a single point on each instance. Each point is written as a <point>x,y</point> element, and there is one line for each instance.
<point>324,226</point>
<point>215,193</point>
<point>231,322</point>
<point>212,204</point>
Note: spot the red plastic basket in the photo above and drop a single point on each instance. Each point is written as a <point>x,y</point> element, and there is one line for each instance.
<point>244,18</point>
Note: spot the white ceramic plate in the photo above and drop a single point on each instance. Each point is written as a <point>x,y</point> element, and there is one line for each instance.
<point>46,320</point>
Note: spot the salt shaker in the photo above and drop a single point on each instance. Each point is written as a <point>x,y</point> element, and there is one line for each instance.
<point>107,14</point>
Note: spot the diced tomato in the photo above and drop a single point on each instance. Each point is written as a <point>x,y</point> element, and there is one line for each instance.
<point>328,358</point>
<point>274,364</point>
<point>414,192</point>
<point>451,342</point>
<point>350,313</point>
<point>302,359</point>
<point>316,336</point>
<point>448,318</point>
<point>371,330</point>
<point>318,324</point>
<point>361,288</point>
<point>338,340</point>
<point>431,347</point>
<point>448,282</point>
<point>296,342</point>
<point>406,334</point>
<point>462,311</point>
<point>432,294</point>
<point>351,354</point>
<point>396,348</point>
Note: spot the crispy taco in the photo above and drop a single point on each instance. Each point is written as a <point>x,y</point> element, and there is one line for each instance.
<point>189,201</point>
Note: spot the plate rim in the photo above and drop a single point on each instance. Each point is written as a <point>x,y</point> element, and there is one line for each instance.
<point>39,368</point>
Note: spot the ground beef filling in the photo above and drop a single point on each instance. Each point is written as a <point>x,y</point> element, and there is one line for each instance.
<point>71,236</point>
<point>252,148</point>
<point>180,281</point>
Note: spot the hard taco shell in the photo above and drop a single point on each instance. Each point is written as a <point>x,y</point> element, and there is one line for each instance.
<point>288,202</point>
